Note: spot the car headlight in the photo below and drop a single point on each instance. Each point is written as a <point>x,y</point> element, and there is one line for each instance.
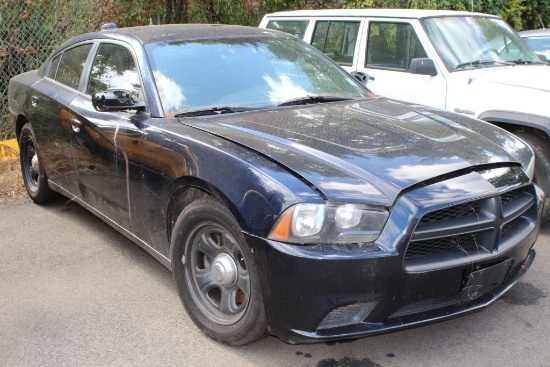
<point>329,224</point>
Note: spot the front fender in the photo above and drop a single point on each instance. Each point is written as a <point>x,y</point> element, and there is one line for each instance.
<point>517,118</point>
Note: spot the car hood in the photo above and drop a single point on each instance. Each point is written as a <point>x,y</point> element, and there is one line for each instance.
<point>361,151</point>
<point>521,76</point>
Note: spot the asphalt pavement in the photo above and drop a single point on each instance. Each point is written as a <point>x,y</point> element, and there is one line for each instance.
<point>73,292</point>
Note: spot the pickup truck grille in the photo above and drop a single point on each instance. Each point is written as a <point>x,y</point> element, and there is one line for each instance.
<point>461,233</point>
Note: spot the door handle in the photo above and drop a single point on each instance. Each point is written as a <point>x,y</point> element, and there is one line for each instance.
<point>76,125</point>
<point>34,101</point>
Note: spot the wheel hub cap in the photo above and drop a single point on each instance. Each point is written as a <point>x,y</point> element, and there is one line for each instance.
<point>34,163</point>
<point>224,270</point>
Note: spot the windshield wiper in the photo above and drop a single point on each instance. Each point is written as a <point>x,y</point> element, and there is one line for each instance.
<point>481,63</point>
<point>525,62</point>
<point>476,63</point>
<point>211,111</point>
<point>314,99</point>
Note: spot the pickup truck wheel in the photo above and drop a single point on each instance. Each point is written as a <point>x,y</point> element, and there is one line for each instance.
<point>541,148</point>
<point>216,276</point>
<point>34,176</point>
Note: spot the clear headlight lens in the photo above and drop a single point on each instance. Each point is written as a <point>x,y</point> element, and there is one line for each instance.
<point>329,224</point>
<point>347,216</point>
<point>307,219</point>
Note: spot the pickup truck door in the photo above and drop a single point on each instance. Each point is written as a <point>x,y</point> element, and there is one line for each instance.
<point>385,55</point>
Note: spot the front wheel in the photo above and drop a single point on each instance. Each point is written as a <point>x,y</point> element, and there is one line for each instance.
<point>34,176</point>
<point>216,276</point>
<point>541,148</point>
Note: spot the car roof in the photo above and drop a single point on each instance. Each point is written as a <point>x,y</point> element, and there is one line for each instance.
<point>172,32</point>
<point>384,13</point>
<point>535,33</point>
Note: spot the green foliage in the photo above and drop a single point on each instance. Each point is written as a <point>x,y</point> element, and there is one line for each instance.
<point>30,30</point>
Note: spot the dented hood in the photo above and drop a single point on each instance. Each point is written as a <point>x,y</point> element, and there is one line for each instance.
<point>361,151</point>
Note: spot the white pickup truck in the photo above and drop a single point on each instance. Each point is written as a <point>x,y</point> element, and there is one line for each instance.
<point>469,63</point>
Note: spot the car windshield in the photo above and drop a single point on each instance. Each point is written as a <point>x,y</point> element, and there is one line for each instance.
<point>540,45</point>
<point>235,74</point>
<point>473,42</point>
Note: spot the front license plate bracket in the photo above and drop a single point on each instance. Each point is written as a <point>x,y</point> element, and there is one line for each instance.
<point>483,280</point>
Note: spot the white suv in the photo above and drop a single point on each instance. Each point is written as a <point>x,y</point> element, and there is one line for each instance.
<point>470,63</point>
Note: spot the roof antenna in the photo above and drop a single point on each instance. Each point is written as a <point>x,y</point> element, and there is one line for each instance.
<point>541,23</point>
<point>108,26</point>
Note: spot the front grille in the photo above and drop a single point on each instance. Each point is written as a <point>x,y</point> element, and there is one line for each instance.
<point>509,196</point>
<point>453,212</point>
<point>465,244</point>
<point>481,227</point>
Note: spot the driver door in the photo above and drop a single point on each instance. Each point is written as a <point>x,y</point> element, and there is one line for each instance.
<point>106,147</point>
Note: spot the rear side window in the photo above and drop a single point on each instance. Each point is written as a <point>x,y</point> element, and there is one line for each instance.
<point>294,27</point>
<point>114,68</point>
<point>72,64</point>
<point>337,40</point>
<point>53,67</point>
<point>393,45</point>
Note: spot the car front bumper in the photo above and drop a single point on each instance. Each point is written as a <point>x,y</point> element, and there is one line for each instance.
<point>322,293</point>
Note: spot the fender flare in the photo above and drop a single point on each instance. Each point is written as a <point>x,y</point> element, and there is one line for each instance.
<point>538,122</point>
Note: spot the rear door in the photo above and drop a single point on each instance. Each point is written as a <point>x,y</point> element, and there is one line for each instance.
<point>386,51</point>
<point>50,115</point>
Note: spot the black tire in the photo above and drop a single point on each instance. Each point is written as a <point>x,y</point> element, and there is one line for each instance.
<point>541,148</point>
<point>34,176</point>
<point>216,276</point>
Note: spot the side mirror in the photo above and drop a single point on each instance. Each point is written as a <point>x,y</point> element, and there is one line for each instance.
<point>423,66</point>
<point>362,77</point>
<point>115,100</point>
<point>542,58</point>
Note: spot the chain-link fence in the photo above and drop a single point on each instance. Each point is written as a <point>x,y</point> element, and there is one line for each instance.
<point>30,31</point>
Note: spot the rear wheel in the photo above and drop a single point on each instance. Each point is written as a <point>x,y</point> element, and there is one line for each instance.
<point>34,177</point>
<point>541,148</point>
<point>216,275</point>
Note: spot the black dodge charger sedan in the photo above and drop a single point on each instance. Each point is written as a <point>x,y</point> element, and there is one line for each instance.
<point>283,195</point>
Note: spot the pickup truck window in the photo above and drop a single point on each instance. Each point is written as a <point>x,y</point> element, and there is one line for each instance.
<point>337,40</point>
<point>296,28</point>
<point>392,45</point>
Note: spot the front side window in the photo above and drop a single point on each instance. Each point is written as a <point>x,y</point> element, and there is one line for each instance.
<point>474,42</point>
<point>114,68</point>
<point>296,28</point>
<point>393,45</point>
<point>337,40</point>
<point>71,65</point>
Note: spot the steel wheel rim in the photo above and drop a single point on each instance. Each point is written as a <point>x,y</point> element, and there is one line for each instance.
<point>30,163</point>
<point>216,274</point>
